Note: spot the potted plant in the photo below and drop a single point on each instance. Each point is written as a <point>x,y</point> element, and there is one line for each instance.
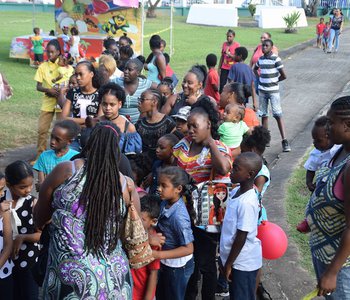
<point>291,22</point>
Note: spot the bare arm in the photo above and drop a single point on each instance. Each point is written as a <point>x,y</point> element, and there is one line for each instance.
<point>254,96</point>
<point>174,253</point>
<point>7,235</point>
<point>161,65</point>
<point>310,180</point>
<point>220,162</point>
<point>66,113</point>
<point>53,92</point>
<point>327,283</point>
<point>282,75</point>
<point>151,285</point>
<point>166,109</point>
<point>259,182</point>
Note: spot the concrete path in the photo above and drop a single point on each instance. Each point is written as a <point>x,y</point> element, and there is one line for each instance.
<point>313,80</point>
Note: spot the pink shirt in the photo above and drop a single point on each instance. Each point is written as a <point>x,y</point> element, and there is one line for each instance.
<point>227,61</point>
<point>258,53</point>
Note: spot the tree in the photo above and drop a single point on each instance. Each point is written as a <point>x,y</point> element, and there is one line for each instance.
<point>151,11</point>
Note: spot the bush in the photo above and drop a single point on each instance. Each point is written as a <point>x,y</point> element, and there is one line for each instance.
<point>291,21</point>
<point>252,8</point>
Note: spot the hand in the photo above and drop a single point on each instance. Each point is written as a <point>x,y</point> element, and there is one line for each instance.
<point>208,141</point>
<point>5,206</point>
<point>191,99</point>
<point>311,186</point>
<point>156,240</point>
<point>227,272</point>
<point>17,243</point>
<point>327,283</point>
<point>53,92</point>
<point>221,267</point>
<point>255,106</point>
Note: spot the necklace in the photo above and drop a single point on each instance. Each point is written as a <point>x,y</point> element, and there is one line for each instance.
<point>114,118</point>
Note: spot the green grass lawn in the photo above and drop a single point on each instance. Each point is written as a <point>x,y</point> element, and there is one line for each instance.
<point>18,117</point>
<point>297,197</point>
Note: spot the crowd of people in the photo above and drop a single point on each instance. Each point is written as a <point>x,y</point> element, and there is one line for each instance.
<point>190,163</point>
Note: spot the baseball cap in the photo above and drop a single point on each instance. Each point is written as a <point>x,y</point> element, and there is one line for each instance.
<point>183,113</point>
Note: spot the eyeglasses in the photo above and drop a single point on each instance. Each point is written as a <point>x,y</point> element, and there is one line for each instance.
<point>144,99</point>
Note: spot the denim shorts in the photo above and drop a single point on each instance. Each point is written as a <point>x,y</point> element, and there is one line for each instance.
<point>274,99</point>
<point>342,292</point>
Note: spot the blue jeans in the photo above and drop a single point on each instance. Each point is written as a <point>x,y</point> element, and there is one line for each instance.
<point>243,285</point>
<point>274,99</point>
<point>172,282</point>
<point>342,292</point>
<point>334,33</point>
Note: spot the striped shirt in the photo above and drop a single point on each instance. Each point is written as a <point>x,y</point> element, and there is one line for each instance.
<point>269,73</point>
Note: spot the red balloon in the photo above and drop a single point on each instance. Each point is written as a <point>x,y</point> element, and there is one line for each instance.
<point>273,239</point>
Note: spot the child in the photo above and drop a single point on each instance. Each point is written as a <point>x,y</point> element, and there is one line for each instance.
<point>240,249</point>
<point>232,130</point>
<point>165,158</point>
<point>38,49</point>
<point>181,119</point>
<point>19,181</point>
<point>6,264</point>
<point>141,166</point>
<point>65,38</point>
<point>124,40</point>
<point>226,60</point>
<point>74,45</point>
<point>162,45</point>
<point>242,73</point>
<point>166,88</point>
<point>73,82</point>
<point>175,224</point>
<point>62,135</point>
<point>319,31</point>
<point>271,73</point>
<point>212,83</point>
<point>125,53</point>
<point>169,72</point>
<point>145,278</point>
<point>65,71</point>
<point>326,33</point>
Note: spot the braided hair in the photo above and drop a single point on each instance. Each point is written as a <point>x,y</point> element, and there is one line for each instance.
<point>341,107</point>
<point>101,194</point>
<point>157,96</point>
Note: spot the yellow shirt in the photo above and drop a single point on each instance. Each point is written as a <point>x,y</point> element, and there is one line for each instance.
<point>45,73</point>
<point>66,72</point>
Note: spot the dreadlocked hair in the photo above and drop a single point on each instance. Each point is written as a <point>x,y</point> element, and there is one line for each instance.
<point>178,176</point>
<point>341,107</point>
<point>101,194</point>
<point>205,106</point>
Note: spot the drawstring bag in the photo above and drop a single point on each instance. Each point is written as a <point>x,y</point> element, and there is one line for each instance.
<point>135,239</point>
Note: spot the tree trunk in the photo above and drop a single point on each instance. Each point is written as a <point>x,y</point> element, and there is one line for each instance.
<point>151,11</point>
<point>313,7</point>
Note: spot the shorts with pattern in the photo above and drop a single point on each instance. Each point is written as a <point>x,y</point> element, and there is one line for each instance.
<point>274,99</point>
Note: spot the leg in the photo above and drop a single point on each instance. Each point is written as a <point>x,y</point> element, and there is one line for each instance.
<point>223,78</point>
<point>330,40</point>
<point>277,112</point>
<point>281,127</point>
<point>263,108</point>
<point>44,123</point>
<point>336,42</point>
<point>242,285</point>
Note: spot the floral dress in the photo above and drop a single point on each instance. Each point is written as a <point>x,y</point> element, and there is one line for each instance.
<point>71,272</point>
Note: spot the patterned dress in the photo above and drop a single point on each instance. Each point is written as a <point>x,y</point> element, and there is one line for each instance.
<point>71,272</point>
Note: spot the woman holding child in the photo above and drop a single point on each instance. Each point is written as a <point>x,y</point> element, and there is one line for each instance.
<point>199,154</point>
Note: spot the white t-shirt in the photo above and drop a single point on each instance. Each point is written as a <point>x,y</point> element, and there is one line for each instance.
<point>318,159</point>
<point>242,214</point>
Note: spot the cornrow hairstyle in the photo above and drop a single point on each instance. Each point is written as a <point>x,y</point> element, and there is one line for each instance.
<point>114,89</point>
<point>55,43</point>
<point>73,129</point>
<point>17,171</point>
<point>158,96</point>
<point>259,138</point>
<point>177,177</point>
<point>127,50</point>
<point>91,68</point>
<point>171,138</point>
<point>341,107</point>
<point>321,122</point>
<point>151,205</point>
<point>201,73</point>
<point>102,193</point>
<point>206,107</point>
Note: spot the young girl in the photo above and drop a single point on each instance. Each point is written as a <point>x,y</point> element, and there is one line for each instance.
<point>74,44</point>
<point>165,158</point>
<point>125,53</point>
<point>19,181</point>
<point>155,124</point>
<point>233,129</point>
<point>166,88</point>
<point>174,223</point>
<point>227,54</point>
<point>112,98</point>
<point>65,70</point>
<point>6,264</point>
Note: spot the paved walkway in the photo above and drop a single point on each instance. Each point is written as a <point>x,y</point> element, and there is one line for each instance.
<point>313,80</point>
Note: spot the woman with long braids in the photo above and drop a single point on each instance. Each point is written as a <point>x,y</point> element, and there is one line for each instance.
<point>86,200</point>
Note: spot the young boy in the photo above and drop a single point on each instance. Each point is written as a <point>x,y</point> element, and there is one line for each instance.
<point>62,135</point>
<point>145,278</point>
<point>212,83</point>
<point>271,73</point>
<point>319,31</point>
<point>326,33</point>
<point>242,73</point>
<point>38,49</point>
<point>240,249</point>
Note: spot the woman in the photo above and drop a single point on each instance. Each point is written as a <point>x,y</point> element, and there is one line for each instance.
<point>328,211</point>
<point>106,69</point>
<point>200,154</point>
<point>236,93</point>
<point>86,259</point>
<point>134,86</point>
<point>112,98</point>
<point>337,23</point>
<point>155,63</point>
<point>155,124</point>
<point>258,50</point>
<point>192,87</point>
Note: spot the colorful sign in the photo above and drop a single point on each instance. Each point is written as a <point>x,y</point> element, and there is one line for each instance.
<point>100,18</point>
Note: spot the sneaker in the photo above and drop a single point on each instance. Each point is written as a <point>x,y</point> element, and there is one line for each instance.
<point>303,227</point>
<point>221,292</point>
<point>285,146</point>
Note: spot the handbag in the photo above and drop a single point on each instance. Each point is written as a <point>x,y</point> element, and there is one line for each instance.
<point>209,200</point>
<point>135,239</point>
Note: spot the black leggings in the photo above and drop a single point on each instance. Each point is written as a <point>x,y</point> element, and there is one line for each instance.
<point>223,78</point>
<point>6,288</point>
